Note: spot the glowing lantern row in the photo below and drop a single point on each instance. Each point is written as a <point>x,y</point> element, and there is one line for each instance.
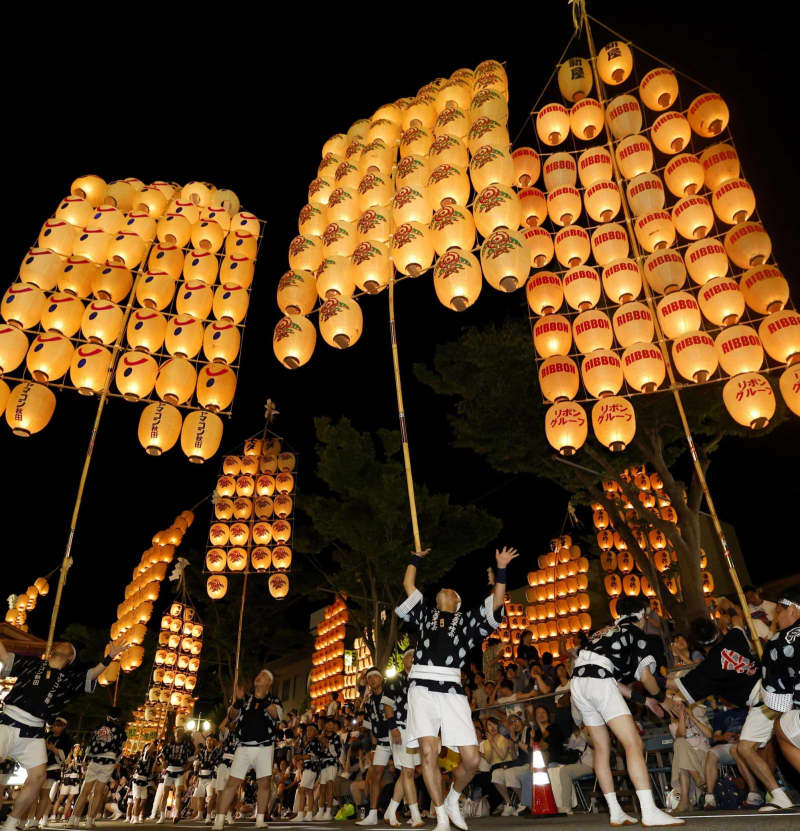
<point>176,662</point>
<point>328,657</point>
<point>21,604</point>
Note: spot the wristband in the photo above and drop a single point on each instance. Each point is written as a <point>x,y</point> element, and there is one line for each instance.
<point>391,723</point>
<point>660,695</point>
<point>415,560</point>
<point>500,576</point>
<point>639,696</point>
<point>106,660</point>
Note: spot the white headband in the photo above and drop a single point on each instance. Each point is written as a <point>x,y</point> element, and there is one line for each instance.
<point>373,672</point>
<point>634,615</point>
<point>784,601</point>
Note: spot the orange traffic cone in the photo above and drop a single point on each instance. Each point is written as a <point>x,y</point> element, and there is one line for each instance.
<point>543,803</point>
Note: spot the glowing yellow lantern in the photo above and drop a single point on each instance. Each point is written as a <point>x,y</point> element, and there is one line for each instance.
<point>684,175</point>
<point>540,244</point>
<point>780,335</point>
<point>239,534</point>
<point>575,79</point>
<point>721,301</point>
<point>293,340</point>
<point>245,485</point>
<point>412,248</point>
<point>739,349</point>
<point>58,235</point>
<point>750,400</point>
<point>622,280</point>
<point>200,266</point>
<point>602,201</point>
<point>558,379</point>
<point>92,245</point>
<point>176,380</point>
<point>586,118</point>
<point>167,259</point>
<point>678,313</point>
<point>665,271</point>
<point>340,322</point>
<point>230,303</point>
<point>643,367</point>
<point>631,585</point>
<point>208,235</point>
<point>552,124</point>
<point>63,314</point>
<point>572,246</point>
<point>75,210</point>
<point>582,287</point>
<point>215,560</point>
<point>613,585</point>
<point>645,193</point>
<point>527,166</point>
<point>614,423</point>
<point>411,205</point>
<point>614,62</point>
<point>790,387</point>
<point>452,121</point>
<point>88,368</point>
<point>533,204</point>
<point>654,231</point>
<point>609,243</point>
<point>146,330</point>
<point>594,165</point>
<point>505,260</point>
<point>305,253</point>
<point>659,89</point>
<point>151,201</point>
<point>765,289</point>
<point>491,165</point>
<point>13,348</point>
<point>135,375</point>
<point>102,322</point>
<point>217,586</point>
<point>278,584</point>
<point>720,164</point>
<point>457,279</point>
<point>708,115</point>
<point>342,206</point>
<point>78,276</point>
<point>748,244</point>
<point>564,205</point>
<point>695,356</point>
<point>591,330</point>
<point>29,408</point>
<point>112,282</point>
<point>159,427</point>
<point>544,293</point>
<point>634,156</point>
<point>184,336</point>
<point>23,305</point>
<point>155,289</point>
<point>624,116</point>
<point>496,207</point>
<point>201,435</point>
<point>734,201</point>
<point>281,556</point>
<point>601,372</point>
<point>91,188</point>
<point>238,271</point>
<point>705,260</point>
<point>559,170</point>
<point>221,342</point>
<point>566,427</point>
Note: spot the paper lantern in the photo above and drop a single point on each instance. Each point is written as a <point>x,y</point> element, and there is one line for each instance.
<point>78,276</point>
<point>184,336</point>
<point>237,558</point>
<point>684,175</point>
<point>658,89</point>
<point>29,408</point>
<point>219,534</point>
<point>748,244</point>
<point>200,266</point>
<point>412,248</point>
<point>262,533</point>
<point>284,482</point>
<point>613,585</point>
<point>13,348</point>
<point>278,585</point>
<point>283,505</point>
<point>609,243</point>
<point>342,207</point>
<point>558,379</point>
<point>447,183</point>
<point>643,367</point>
<point>582,287</point>
<point>448,149</point>
<point>780,335</point>
<point>720,164</point>
<point>592,330</point>
<point>245,485</point>
<point>720,301</point>
<point>146,330</point>
<point>505,260</point>
<point>217,586</point>
<point>693,217</point>
<point>695,356</point>
<point>127,248</point>
<point>112,282</point>
<point>374,190</point>
<point>790,387</point>
<point>88,368</point>
<point>221,342</point>
<point>634,156</point>
<point>572,246</point>
<point>527,166</point>
<point>566,427</point>
<point>155,289</point>
<point>739,350</point>
<point>58,235</point>
<point>665,271</point>
<point>708,114</point>
<point>452,226</point>
<point>533,205</point>
<point>594,165</point>
<point>491,165</point>
<point>544,292</point>
<point>552,124</point>
<point>91,188</point>
<point>135,376</point>
<point>678,313</point>
<point>540,244</point>
<point>457,279</point>
<point>496,207</point>
<point>564,205</point>
<point>552,335</point>
<point>602,201</point>
<point>62,314</point>
<point>624,116</point>
<point>631,585</point>
<point>151,200</point>
<point>92,244</point>
<point>575,79</point>
<point>411,205</point>
<point>670,132</point>
<point>200,436</point>
<point>174,229</point>
<point>645,193</point>
<point>167,259</point>
<point>208,235</point>
<point>559,171</point>
<point>750,400</point>
<point>340,322</point>
<point>215,560</point>
<point>242,508</point>
<point>765,289</point>
<point>159,427</point>
<point>23,305</point>
<point>260,558</point>
<point>734,201</point>
<point>74,209</point>
<point>706,260</point>
<point>622,280</point>
<point>586,118</point>
<point>614,422</point>
<point>485,131</point>
<point>102,322</point>
<point>305,253</point>
<point>655,231</point>
<point>602,373</point>
<point>230,303</point>
<point>281,556</point>
<point>614,62</point>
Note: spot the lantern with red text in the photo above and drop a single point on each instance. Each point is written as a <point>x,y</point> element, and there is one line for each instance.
<point>566,427</point>
<point>614,422</point>
<point>750,400</point>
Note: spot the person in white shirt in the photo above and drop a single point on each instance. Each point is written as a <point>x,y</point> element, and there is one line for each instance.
<point>333,706</point>
<point>762,612</point>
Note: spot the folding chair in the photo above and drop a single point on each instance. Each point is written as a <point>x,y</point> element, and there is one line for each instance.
<point>660,746</point>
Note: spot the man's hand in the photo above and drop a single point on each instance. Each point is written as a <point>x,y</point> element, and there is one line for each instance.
<point>395,735</point>
<point>423,553</point>
<point>505,556</point>
<point>672,706</point>
<point>238,692</point>
<point>117,649</point>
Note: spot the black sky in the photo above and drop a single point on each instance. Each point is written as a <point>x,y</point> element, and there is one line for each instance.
<point>245,98</point>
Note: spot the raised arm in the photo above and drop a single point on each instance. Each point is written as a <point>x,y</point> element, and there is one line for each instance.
<point>410,578</point>
<point>98,669</point>
<point>236,706</point>
<point>504,557</point>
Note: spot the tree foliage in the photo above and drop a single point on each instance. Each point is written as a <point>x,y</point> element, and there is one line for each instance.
<point>361,523</point>
<point>499,414</point>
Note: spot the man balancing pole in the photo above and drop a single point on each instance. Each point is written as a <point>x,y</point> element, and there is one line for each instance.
<point>42,689</point>
<point>436,699</point>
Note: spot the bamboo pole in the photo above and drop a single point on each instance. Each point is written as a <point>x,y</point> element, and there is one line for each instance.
<point>674,387</point>
<point>412,502</point>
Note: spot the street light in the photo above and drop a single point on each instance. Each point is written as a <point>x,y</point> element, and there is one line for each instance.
<point>195,723</point>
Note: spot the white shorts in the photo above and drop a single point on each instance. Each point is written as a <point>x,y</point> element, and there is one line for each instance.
<point>175,780</point>
<point>327,774</point>
<point>258,758</point>
<point>71,790</point>
<point>381,756</point>
<point>98,772</point>
<point>790,724</point>
<point>54,786</point>
<point>308,779</point>
<point>510,777</point>
<point>757,727</point>
<point>204,788</point>
<point>139,791</point>
<point>223,775</point>
<point>598,700</point>
<point>402,758</point>
<point>723,753</point>
<point>29,753</point>
<point>430,713</point>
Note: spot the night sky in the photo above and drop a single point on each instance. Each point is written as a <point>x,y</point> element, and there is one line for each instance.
<point>247,104</point>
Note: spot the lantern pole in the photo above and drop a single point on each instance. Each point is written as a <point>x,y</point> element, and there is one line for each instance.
<point>67,560</point>
<point>674,388</point>
<point>412,502</point>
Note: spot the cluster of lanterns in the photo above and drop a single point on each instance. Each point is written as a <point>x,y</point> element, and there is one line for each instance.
<point>145,726</point>
<point>253,516</point>
<point>327,660</point>
<point>20,604</point>
<point>148,282</point>
<point>177,659</point>
<point>623,573</point>
<point>141,593</point>
<point>718,299</point>
<point>427,182</point>
<point>356,661</point>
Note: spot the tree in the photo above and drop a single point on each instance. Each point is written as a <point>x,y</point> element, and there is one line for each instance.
<point>499,414</point>
<point>361,523</point>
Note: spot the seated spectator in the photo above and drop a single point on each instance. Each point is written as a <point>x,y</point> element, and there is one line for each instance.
<point>526,650</point>
<point>578,759</point>
<point>498,752</point>
<point>692,733</point>
<point>563,713</point>
<point>682,654</point>
<point>762,611</point>
<point>492,655</point>
<point>548,670</point>
<point>541,683</point>
<point>480,695</point>
<point>547,735</point>
<point>505,695</point>
<point>726,726</point>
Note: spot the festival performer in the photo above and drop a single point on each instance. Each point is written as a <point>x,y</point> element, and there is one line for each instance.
<point>329,767</point>
<point>395,701</point>
<point>58,744</point>
<point>142,776</point>
<point>42,690</point>
<point>375,720</point>
<point>177,755</point>
<point>312,753</point>
<point>436,700</point>
<point>256,715</point>
<point>779,707</point>
<point>614,653</point>
<point>223,759</point>
<point>105,749</point>
<point>204,788</point>
<point>70,783</point>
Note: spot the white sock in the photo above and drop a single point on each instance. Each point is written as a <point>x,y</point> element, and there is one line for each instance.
<point>780,798</point>
<point>652,814</point>
<point>373,813</point>
<point>441,816</point>
<point>259,817</point>
<point>415,816</point>
<point>453,794</point>
<point>615,812</point>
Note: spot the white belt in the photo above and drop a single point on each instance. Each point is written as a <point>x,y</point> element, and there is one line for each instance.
<point>22,716</point>
<point>586,657</point>
<point>431,673</point>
